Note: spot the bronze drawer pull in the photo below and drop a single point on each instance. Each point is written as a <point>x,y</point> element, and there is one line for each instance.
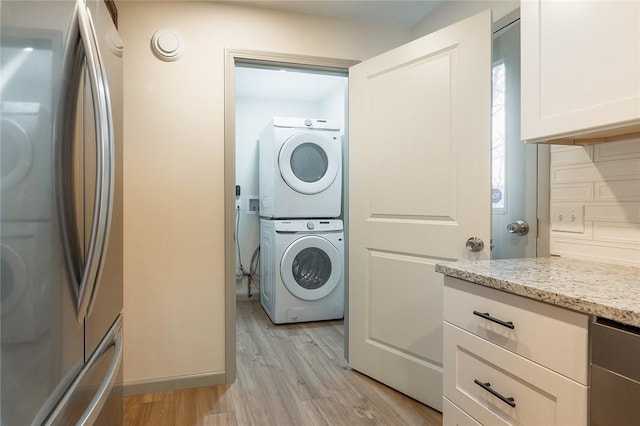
<point>487,316</point>
<point>487,386</point>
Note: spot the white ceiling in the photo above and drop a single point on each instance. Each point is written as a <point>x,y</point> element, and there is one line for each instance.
<point>275,84</point>
<point>396,12</point>
<point>286,85</point>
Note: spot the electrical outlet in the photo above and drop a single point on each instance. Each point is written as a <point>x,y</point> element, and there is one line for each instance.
<point>567,218</point>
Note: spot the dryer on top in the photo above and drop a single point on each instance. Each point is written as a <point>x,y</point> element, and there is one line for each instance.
<point>300,169</point>
<point>27,138</point>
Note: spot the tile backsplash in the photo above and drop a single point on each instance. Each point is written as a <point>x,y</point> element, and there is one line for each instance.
<point>595,201</point>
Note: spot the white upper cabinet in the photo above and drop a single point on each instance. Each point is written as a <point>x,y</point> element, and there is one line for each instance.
<point>580,70</point>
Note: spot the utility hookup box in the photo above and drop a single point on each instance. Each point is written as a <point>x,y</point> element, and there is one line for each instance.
<point>253,202</point>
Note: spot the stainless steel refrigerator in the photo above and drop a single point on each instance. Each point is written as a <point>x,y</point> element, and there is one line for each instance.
<point>60,213</point>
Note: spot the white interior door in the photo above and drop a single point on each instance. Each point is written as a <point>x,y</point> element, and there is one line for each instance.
<point>419,187</point>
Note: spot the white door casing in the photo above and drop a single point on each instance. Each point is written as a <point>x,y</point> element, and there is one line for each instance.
<point>419,187</point>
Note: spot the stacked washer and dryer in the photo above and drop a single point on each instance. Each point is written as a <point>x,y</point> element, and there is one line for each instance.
<point>301,235</point>
<point>25,261</point>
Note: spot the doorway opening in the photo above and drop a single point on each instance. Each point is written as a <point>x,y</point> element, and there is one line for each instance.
<point>263,92</point>
<point>517,193</point>
<point>261,86</point>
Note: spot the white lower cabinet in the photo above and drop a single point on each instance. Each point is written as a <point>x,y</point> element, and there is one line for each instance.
<point>455,416</point>
<point>492,378</point>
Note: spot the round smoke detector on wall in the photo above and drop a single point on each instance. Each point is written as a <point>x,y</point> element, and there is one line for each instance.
<point>167,45</point>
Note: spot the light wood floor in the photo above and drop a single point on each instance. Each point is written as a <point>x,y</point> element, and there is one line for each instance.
<point>290,374</point>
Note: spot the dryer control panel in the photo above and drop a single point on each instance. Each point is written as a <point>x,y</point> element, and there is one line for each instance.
<point>308,225</point>
<point>308,123</point>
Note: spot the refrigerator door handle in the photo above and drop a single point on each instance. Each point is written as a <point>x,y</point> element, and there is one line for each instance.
<point>101,221</point>
<point>98,401</point>
<point>65,196</point>
<point>113,338</point>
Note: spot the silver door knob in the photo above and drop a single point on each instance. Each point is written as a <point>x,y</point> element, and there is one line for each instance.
<point>474,244</point>
<point>518,227</point>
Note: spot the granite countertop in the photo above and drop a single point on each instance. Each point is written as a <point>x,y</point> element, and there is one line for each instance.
<point>604,290</point>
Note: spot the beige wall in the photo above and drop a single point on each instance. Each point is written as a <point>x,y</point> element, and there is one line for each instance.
<point>174,169</point>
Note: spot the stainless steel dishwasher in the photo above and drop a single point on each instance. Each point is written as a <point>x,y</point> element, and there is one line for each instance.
<point>615,374</point>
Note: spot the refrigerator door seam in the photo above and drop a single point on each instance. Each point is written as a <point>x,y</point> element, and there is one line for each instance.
<point>113,338</point>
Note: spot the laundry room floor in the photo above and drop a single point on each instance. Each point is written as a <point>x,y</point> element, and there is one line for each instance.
<point>293,374</point>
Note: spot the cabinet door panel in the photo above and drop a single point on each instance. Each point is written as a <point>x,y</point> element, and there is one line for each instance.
<point>454,416</point>
<point>580,68</point>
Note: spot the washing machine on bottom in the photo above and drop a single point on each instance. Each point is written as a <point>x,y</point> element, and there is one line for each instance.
<point>26,267</point>
<point>302,269</point>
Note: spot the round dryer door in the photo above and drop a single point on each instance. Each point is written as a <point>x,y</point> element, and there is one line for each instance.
<point>16,153</point>
<point>309,162</point>
<point>311,268</point>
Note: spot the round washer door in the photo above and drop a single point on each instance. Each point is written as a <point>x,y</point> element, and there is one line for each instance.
<point>14,278</point>
<point>309,162</point>
<point>16,153</point>
<point>311,268</point>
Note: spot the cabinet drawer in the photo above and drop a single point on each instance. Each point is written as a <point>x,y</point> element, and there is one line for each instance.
<point>454,416</point>
<point>551,336</point>
<point>540,396</point>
